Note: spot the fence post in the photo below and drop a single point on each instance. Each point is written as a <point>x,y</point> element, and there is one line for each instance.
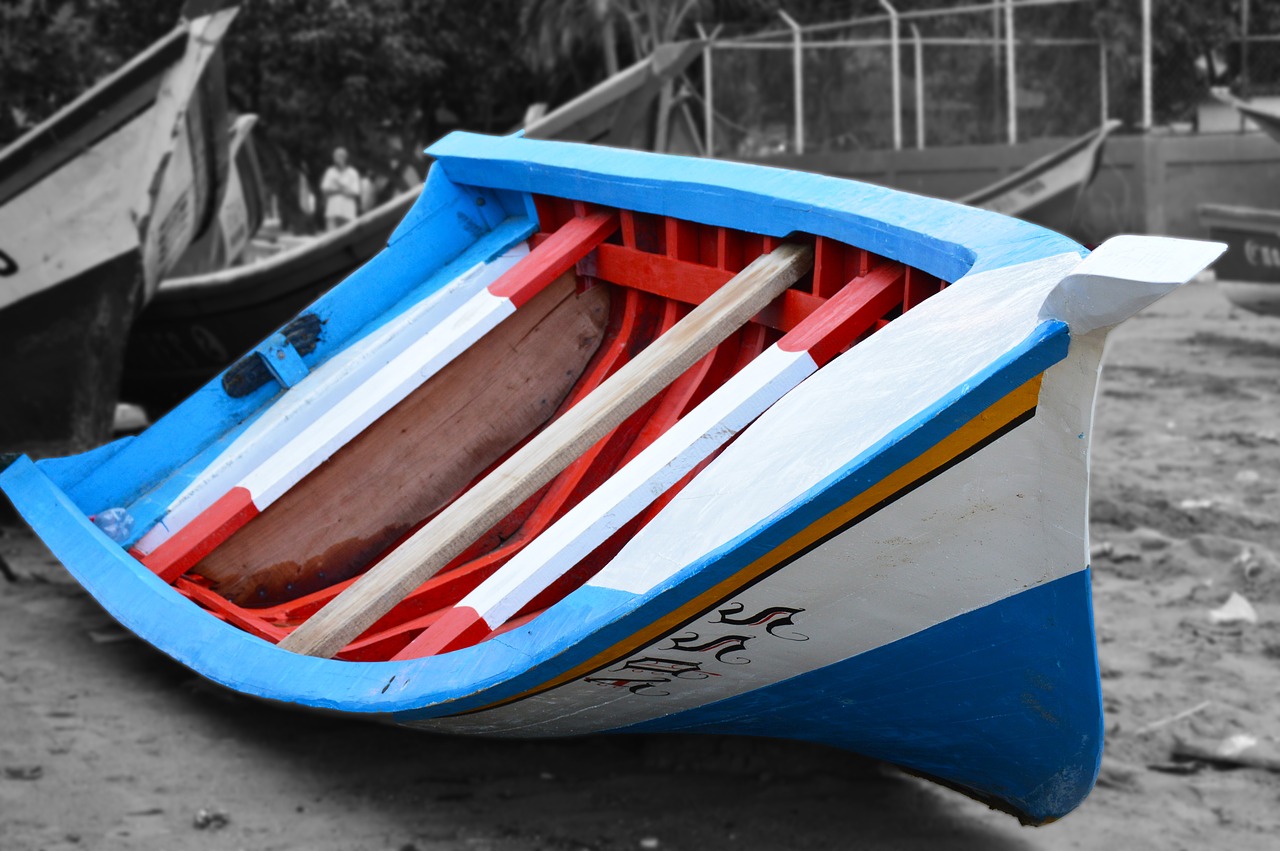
<point>1244,50</point>
<point>799,81</point>
<point>708,114</point>
<point>1147,111</point>
<point>919,48</point>
<point>894,59</point>
<point>1103,84</point>
<point>1011,73</point>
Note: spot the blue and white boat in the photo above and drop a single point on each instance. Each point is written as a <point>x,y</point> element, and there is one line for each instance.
<point>609,441</point>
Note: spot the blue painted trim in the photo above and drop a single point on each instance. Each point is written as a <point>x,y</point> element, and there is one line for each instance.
<point>453,234</point>
<point>65,472</point>
<point>584,624</point>
<point>939,237</point>
<point>1004,700</point>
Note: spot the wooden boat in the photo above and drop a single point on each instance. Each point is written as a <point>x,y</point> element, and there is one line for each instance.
<point>1249,272</point>
<point>1268,120</point>
<point>198,324</point>
<point>96,205</point>
<point>240,212</point>
<point>611,441</point>
<point>1048,189</point>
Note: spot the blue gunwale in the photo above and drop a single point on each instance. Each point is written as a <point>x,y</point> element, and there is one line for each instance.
<point>939,237</point>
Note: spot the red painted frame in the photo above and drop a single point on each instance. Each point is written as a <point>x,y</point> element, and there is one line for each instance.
<point>660,267</point>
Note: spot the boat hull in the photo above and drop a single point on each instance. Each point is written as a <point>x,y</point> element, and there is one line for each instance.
<point>240,210</point>
<point>195,327</point>
<point>1048,190</point>
<point>891,558</point>
<point>1249,272</point>
<point>61,379</point>
<point>139,156</point>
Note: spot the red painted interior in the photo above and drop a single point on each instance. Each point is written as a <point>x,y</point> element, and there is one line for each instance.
<point>198,538</point>
<point>660,266</point>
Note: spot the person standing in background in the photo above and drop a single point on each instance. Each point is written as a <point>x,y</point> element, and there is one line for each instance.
<point>341,189</point>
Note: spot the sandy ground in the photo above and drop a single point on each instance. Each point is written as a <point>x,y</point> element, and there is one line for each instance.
<point>105,744</point>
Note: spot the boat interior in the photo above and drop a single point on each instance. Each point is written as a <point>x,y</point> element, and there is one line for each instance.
<point>300,552</point>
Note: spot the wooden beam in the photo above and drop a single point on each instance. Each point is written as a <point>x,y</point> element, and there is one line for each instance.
<point>555,256</point>
<point>644,484</point>
<point>330,526</point>
<point>541,459</point>
<point>688,282</point>
<point>253,473</point>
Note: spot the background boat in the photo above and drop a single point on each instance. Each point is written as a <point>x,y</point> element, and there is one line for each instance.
<point>1268,120</point>
<point>1249,273</point>
<point>650,444</point>
<point>1049,189</point>
<point>240,213</point>
<point>97,203</point>
<point>198,324</point>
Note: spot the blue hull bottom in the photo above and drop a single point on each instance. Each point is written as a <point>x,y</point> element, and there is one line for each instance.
<point>1005,699</point>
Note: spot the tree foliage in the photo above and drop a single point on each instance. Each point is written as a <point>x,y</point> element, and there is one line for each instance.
<point>382,77</point>
<point>51,51</point>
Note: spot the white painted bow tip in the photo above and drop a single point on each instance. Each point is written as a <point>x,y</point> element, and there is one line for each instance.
<point>1124,275</point>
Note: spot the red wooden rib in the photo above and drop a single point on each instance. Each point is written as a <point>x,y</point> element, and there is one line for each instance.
<point>847,314</point>
<point>554,257</point>
<point>199,537</point>
<point>850,293</point>
<point>682,280</point>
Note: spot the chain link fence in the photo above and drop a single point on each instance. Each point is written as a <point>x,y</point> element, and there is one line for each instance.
<point>960,79</point>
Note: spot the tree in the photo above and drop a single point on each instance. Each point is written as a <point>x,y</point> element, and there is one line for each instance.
<point>380,77</point>
<point>50,52</point>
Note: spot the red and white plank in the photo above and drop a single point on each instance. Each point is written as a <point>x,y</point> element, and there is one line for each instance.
<point>697,435</point>
<point>296,437</point>
<point>330,383</point>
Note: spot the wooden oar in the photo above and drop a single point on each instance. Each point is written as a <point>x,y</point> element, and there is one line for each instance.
<point>546,455</point>
<point>844,317</point>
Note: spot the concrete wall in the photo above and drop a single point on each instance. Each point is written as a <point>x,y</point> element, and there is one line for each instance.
<point>1146,184</point>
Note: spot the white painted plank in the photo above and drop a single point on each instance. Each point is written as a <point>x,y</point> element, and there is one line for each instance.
<point>646,477</point>
<point>410,348</point>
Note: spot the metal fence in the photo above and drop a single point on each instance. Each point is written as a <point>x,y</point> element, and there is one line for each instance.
<point>990,72</point>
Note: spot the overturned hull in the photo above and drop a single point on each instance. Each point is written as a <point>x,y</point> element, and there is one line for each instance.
<point>611,442</point>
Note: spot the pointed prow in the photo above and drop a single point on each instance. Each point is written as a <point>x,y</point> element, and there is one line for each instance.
<point>1124,275</point>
